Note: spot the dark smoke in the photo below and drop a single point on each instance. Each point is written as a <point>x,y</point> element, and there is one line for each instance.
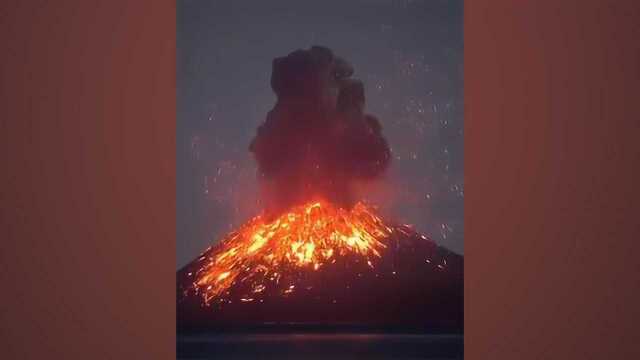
<point>317,142</point>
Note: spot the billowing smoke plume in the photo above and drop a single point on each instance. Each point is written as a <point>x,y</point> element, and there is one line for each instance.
<point>316,141</point>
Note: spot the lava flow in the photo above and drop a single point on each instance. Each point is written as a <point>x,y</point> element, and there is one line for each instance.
<point>307,237</point>
<point>319,263</point>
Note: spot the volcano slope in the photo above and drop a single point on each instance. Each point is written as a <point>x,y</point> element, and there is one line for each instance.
<point>319,267</point>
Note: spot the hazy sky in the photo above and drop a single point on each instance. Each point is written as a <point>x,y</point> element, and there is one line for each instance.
<point>408,54</point>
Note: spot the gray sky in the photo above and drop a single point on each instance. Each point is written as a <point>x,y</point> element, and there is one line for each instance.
<point>409,54</point>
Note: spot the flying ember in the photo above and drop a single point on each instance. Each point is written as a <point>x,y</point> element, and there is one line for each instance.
<point>307,237</point>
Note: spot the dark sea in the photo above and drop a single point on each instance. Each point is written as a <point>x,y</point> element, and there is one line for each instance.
<point>320,346</point>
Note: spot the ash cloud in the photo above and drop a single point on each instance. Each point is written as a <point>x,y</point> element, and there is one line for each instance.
<point>317,141</point>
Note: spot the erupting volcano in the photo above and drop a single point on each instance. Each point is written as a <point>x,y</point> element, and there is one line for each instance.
<point>318,255</point>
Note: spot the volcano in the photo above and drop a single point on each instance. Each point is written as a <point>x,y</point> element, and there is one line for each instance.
<point>317,256</point>
<point>322,266</point>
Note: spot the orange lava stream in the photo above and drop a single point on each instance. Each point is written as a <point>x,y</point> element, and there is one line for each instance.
<point>308,236</point>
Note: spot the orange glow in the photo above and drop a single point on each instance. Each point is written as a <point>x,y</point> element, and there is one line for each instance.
<point>307,236</point>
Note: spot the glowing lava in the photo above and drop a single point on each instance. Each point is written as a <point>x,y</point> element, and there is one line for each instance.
<point>307,237</point>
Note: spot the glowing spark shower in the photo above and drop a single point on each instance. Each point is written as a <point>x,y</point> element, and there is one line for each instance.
<point>307,237</point>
